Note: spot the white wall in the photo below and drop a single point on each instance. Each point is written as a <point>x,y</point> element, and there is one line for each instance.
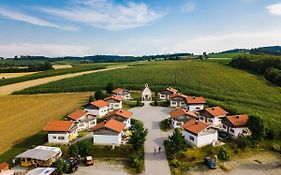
<point>127,123</point>
<point>113,106</point>
<point>216,121</point>
<point>176,124</point>
<point>200,141</point>
<point>237,131</point>
<point>99,112</point>
<point>195,107</point>
<point>107,139</point>
<point>54,137</point>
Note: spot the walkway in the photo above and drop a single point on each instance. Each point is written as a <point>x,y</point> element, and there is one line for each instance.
<point>9,89</point>
<point>151,116</point>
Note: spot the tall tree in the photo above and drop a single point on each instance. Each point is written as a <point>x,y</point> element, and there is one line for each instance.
<point>99,95</point>
<point>257,127</point>
<point>109,88</point>
<point>176,141</point>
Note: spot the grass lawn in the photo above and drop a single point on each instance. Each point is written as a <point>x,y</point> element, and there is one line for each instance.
<point>235,90</point>
<point>25,115</point>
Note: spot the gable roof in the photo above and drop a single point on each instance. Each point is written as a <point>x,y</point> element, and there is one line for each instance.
<point>121,112</point>
<point>4,165</point>
<point>216,111</point>
<point>59,126</point>
<point>99,103</point>
<point>238,120</point>
<point>195,126</point>
<point>181,112</point>
<point>111,124</point>
<point>76,114</point>
<point>114,97</point>
<point>117,90</point>
<point>172,90</point>
<point>195,100</point>
<point>178,95</point>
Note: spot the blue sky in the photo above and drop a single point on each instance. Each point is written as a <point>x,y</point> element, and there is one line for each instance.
<point>88,27</point>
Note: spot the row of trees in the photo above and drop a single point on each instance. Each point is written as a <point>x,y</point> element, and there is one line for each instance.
<point>10,68</point>
<point>270,66</point>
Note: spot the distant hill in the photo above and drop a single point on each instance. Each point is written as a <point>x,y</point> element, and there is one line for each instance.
<point>273,50</point>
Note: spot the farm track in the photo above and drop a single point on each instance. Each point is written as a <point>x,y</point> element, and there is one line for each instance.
<point>9,89</point>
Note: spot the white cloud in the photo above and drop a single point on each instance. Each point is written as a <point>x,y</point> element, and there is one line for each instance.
<point>106,14</point>
<point>19,16</point>
<point>188,7</point>
<point>274,9</point>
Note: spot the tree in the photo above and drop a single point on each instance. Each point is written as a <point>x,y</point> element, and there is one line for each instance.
<point>109,88</point>
<point>257,127</point>
<point>85,148</point>
<point>91,98</point>
<point>223,155</point>
<point>61,166</point>
<point>73,150</point>
<point>99,95</point>
<point>138,135</point>
<point>242,142</point>
<point>176,141</point>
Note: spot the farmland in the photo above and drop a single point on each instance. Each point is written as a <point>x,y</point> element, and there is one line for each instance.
<point>235,90</point>
<point>23,116</point>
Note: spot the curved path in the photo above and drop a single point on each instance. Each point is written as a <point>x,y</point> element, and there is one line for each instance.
<point>155,163</point>
<point>9,89</point>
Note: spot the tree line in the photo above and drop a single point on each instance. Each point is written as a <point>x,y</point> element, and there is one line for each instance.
<point>11,68</point>
<point>269,66</point>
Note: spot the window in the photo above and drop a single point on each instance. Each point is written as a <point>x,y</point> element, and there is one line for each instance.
<point>174,102</point>
<point>54,137</point>
<point>224,126</point>
<point>116,105</point>
<point>210,120</point>
<point>232,130</point>
<point>201,118</point>
<point>191,138</point>
<point>197,108</point>
<point>61,137</point>
<point>162,96</point>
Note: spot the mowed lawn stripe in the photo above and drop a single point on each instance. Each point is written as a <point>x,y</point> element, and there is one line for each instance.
<point>24,115</point>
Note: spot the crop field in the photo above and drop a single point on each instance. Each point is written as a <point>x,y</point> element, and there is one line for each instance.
<point>14,75</point>
<point>233,89</point>
<point>23,116</point>
<point>50,73</point>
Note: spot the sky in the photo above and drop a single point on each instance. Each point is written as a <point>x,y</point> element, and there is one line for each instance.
<point>136,27</point>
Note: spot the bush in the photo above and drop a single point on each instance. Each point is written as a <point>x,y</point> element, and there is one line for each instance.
<point>91,98</point>
<point>165,125</point>
<point>73,150</point>
<point>85,148</point>
<point>242,142</point>
<point>223,155</point>
<point>99,95</point>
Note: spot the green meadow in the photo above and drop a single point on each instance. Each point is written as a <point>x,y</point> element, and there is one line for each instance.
<point>236,90</point>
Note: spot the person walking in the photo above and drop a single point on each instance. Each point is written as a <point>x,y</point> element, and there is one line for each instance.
<point>159,149</point>
<point>154,150</point>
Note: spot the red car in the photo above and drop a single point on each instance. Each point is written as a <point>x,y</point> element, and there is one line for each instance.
<point>89,161</point>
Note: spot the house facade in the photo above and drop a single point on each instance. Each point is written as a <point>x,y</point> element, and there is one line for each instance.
<point>178,100</point>
<point>108,133</point>
<point>83,119</point>
<point>166,93</point>
<point>40,156</point>
<point>124,93</point>
<point>61,132</point>
<point>146,94</point>
<point>236,125</point>
<point>98,108</point>
<point>212,116</point>
<point>195,103</point>
<point>114,102</point>
<point>121,115</point>
<point>180,116</point>
<point>199,134</point>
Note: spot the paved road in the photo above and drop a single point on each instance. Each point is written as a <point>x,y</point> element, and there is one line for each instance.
<point>151,116</point>
<point>9,89</point>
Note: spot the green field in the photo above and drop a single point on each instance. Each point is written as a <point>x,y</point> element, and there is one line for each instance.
<point>224,55</point>
<point>50,73</point>
<point>233,89</point>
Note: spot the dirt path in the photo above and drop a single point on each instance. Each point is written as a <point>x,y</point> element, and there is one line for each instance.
<point>9,89</point>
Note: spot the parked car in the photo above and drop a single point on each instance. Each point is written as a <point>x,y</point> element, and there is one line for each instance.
<point>210,163</point>
<point>223,135</point>
<point>89,161</point>
<point>72,165</point>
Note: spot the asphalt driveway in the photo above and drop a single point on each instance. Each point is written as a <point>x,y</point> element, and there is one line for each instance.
<point>155,163</point>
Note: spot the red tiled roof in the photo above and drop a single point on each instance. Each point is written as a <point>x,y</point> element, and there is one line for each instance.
<point>59,126</point>
<point>238,120</point>
<point>216,111</point>
<point>172,90</point>
<point>111,124</point>
<point>4,166</point>
<point>178,95</point>
<point>117,90</point>
<point>195,126</point>
<point>99,103</point>
<point>181,112</point>
<point>115,97</point>
<point>121,112</point>
<point>195,100</point>
<point>76,114</point>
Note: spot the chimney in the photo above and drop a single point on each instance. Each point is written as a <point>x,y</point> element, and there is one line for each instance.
<point>193,97</point>
<point>196,122</point>
<point>213,108</point>
<point>237,116</point>
<point>121,111</point>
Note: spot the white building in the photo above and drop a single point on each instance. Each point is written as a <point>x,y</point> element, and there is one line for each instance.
<point>83,119</point>
<point>166,93</point>
<point>195,103</point>
<point>180,116</point>
<point>41,171</point>
<point>236,125</point>
<point>178,100</point>
<point>121,115</point>
<point>199,134</point>
<point>212,116</point>
<point>114,102</point>
<point>108,133</point>
<point>126,94</point>
<point>146,94</point>
<point>61,132</point>
<point>98,108</point>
